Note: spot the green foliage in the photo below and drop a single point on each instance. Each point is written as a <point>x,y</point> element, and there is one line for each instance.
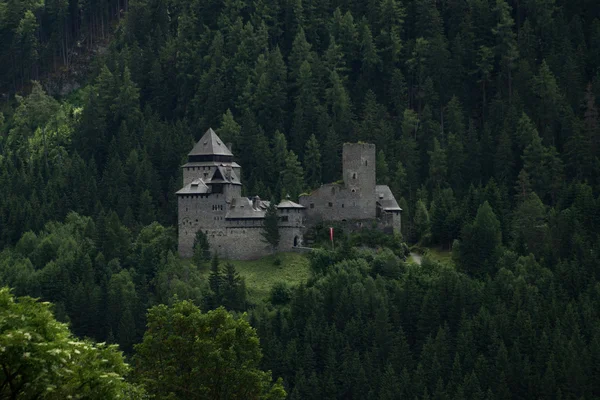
<point>312,162</point>
<point>480,242</point>
<point>201,249</point>
<point>292,177</point>
<point>467,102</point>
<point>270,232</point>
<point>280,293</point>
<point>42,359</point>
<point>177,337</point>
<point>422,221</point>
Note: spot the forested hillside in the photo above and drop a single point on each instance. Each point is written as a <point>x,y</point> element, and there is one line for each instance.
<point>486,121</point>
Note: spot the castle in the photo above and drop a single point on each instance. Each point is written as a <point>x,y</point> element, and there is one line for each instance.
<point>211,200</point>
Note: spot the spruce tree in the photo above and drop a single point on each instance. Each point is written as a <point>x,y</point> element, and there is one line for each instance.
<point>270,232</point>
<point>201,249</point>
<point>215,281</point>
<point>312,162</point>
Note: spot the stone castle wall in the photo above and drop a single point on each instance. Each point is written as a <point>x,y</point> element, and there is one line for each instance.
<point>353,200</point>
<point>334,202</point>
<point>195,211</point>
<point>234,239</point>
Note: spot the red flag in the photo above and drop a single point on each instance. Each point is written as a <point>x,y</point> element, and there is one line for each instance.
<point>331,234</point>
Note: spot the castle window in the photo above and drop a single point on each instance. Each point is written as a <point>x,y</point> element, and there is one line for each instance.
<point>312,205</point>
<point>366,163</point>
<point>284,218</point>
<point>342,205</point>
<point>196,220</point>
<point>353,190</point>
<point>330,204</point>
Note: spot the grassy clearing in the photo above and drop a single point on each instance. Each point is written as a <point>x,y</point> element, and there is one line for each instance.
<point>260,275</point>
<point>440,255</point>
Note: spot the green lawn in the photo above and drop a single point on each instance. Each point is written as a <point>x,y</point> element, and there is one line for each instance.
<point>260,275</point>
<point>440,255</point>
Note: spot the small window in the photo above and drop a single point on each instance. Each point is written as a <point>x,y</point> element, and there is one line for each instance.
<point>312,205</point>
<point>196,220</point>
<point>354,175</point>
<point>366,163</point>
<point>353,190</point>
<point>284,218</point>
<point>342,205</point>
<point>330,204</point>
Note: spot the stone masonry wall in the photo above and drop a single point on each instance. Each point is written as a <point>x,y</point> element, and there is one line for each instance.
<point>358,163</point>
<point>206,212</point>
<point>355,199</point>
<point>333,202</point>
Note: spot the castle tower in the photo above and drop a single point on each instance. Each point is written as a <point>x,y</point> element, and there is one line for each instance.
<point>209,153</point>
<point>210,182</point>
<point>358,163</point>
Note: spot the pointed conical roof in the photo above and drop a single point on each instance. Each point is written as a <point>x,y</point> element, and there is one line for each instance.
<point>210,144</point>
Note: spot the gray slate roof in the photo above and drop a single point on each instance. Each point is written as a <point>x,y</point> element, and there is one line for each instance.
<point>386,199</point>
<point>210,144</point>
<point>210,164</point>
<point>289,204</point>
<point>220,176</point>
<point>196,187</point>
<point>242,208</point>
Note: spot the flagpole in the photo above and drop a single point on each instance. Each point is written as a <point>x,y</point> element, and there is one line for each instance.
<point>331,238</point>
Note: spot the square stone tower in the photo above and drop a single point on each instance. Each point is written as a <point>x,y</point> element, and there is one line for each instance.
<point>358,163</point>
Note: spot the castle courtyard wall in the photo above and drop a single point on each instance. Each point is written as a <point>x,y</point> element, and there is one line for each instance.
<point>334,202</point>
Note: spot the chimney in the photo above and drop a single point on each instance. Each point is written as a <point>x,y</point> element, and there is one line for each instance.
<point>230,146</point>
<point>256,203</point>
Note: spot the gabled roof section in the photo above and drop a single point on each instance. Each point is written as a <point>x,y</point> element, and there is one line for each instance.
<point>245,208</point>
<point>386,199</point>
<point>210,144</point>
<point>197,186</point>
<point>224,175</point>
<point>287,203</point>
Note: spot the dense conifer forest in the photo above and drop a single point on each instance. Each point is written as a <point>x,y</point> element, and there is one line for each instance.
<point>486,120</point>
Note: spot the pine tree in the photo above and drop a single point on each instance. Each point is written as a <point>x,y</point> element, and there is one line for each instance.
<point>292,177</point>
<point>340,107</point>
<point>234,289</point>
<point>312,162</point>
<point>480,242</point>
<point>421,220</point>
<point>437,165</point>
<point>548,102</point>
<point>215,282</point>
<point>201,249</point>
<point>305,113</point>
<point>382,169</point>
<point>229,130</point>
<point>506,46</point>
<point>270,232</point>
<point>280,155</point>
